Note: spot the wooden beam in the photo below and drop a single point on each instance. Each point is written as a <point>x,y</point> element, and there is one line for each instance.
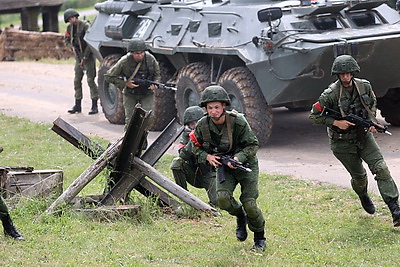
<point>172,187</point>
<point>135,179</point>
<point>76,138</point>
<point>91,172</point>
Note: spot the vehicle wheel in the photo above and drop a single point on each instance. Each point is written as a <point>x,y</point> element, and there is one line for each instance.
<point>164,102</point>
<point>192,80</point>
<point>246,97</point>
<point>110,95</point>
<point>390,106</point>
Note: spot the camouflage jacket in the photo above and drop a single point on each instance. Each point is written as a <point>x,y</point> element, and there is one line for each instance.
<point>244,142</point>
<point>349,102</point>
<point>73,38</point>
<point>125,67</point>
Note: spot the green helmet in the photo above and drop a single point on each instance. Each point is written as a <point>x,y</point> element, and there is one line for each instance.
<point>345,64</point>
<point>214,93</point>
<point>193,113</point>
<point>137,45</point>
<point>69,13</point>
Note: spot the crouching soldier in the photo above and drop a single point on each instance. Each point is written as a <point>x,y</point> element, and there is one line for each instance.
<point>186,168</point>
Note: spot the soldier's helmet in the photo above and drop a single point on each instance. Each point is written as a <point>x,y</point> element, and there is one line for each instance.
<point>344,64</point>
<point>214,93</point>
<point>193,113</point>
<point>137,45</point>
<point>69,13</point>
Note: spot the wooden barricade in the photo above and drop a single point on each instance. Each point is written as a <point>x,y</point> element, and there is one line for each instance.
<point>130,168</point>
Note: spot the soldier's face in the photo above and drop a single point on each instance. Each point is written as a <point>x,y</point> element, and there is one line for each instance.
<point>73,20</point>
<point>215,111</point>
<point>346,79</point>
<point>138,55</point>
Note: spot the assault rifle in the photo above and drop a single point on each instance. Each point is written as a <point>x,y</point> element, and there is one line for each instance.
<point>357,120</point>
<point>146,83</point>
<point>224,159</point>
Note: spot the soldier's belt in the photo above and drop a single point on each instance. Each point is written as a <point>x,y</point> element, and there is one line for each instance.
<point>342,136</point>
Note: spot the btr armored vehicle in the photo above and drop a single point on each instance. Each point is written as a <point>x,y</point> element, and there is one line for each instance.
<point>265,53</point>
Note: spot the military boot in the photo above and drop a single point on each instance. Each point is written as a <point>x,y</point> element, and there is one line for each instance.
<point>259,241</point>
<point>9,228</point>
<point>367,204</point>
<point>241,229</point>
<point>94,109</point>
<point>395,210</point>
<point>77,108</point>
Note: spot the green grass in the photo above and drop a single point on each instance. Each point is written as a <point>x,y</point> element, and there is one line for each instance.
<point>307,223</point>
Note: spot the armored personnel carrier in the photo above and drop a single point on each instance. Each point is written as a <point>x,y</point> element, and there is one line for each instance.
<point>266,53</point>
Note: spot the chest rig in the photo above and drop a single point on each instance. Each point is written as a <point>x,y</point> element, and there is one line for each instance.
<point>358,102</point>
<point>218,144</point>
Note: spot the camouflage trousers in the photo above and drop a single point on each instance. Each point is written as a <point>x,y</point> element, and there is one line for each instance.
<point>249,193</point>
<point>199,177</point>
<point>351,153</point>
<point>90,69</point>
<point>3,208</point>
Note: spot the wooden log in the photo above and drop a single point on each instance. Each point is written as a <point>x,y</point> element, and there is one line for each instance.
<point>171,187</point>
<point>89,174</point>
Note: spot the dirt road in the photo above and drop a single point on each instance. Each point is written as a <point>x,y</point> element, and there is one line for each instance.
<point>42,92</point>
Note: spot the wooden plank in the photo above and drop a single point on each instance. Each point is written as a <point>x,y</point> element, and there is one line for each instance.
<point>134,179</point>
<point>172,187</point>
<point>91,172</point>
<point>131,144</point>
<point>44,187</point>
<point>76,138</point>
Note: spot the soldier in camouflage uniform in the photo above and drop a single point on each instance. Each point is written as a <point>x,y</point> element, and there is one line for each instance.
<point>223,132</point>
<point>137,63</point>
<point>186,168</point>
<point>84,60</point>
<point>9,228</point>
<point>352,144</point>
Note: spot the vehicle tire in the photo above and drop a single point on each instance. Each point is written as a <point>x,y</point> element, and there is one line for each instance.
<point>110,95</point>
<point>390,106</point>
<point>164,102</point>
<point>192,80</point>
<point>246,98</point>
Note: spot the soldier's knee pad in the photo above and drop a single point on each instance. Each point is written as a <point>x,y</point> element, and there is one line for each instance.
<point>224,199</point>
<point>250,206</point>
<point>176,164</point>
<point>383,174</point>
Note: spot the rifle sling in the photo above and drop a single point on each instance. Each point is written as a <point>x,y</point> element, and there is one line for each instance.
<point>135,71</point>
<point>361,90</point>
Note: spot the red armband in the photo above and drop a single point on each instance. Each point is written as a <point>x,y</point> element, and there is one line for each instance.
<point>180,146</point>
<point>67,34</point>
<point>194,139</point>
<point>317,105</point>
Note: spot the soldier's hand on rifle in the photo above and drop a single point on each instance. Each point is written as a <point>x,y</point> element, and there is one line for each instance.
<point>153,87</point>
<point>82,63</point>
<point>131,84</point>
<point>372,129</point>
<point>342,124</point>
<point>230,164</point>
<point>213,160</point>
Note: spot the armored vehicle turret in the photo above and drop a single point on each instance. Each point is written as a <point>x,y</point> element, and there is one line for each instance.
<point>265,53</point>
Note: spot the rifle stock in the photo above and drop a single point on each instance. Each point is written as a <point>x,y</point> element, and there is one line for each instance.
<point>357,120</point>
